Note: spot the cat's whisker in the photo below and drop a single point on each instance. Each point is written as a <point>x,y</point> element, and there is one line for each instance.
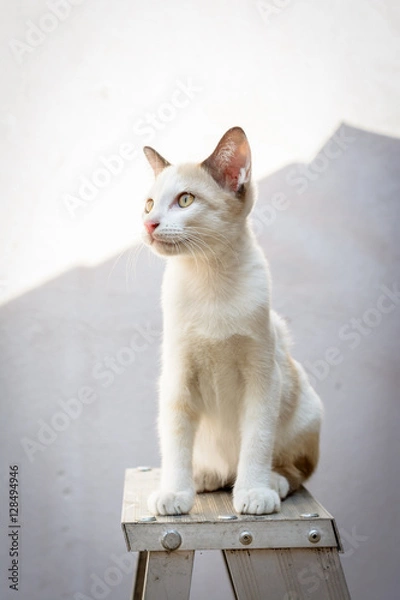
<point>202,244</point>
<point>191,251</point>
<point>197,245</point>
<point>209,230</point>
<point>218,236</point>
<point>127,270</point>
<point>120,255</point>
<point>134,252</point>
<point>213,234</point>
<point>223,241</point>
<point>135,255</point>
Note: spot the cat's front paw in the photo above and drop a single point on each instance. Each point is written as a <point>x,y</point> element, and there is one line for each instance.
<point>256,501</point>
<point>170,503</point>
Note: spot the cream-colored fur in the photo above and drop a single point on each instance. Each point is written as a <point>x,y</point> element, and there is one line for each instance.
<point>235,408</point>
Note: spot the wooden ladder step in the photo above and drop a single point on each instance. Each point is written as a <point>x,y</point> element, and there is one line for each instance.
<point>290,555</point>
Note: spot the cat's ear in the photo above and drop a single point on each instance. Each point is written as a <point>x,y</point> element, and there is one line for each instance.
<point>157,162</point>
<point>230,163</point>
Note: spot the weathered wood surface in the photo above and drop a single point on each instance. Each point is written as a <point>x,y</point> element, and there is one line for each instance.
<point>203,529</point>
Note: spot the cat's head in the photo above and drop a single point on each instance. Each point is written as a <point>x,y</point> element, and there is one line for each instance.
<point>201,208</point>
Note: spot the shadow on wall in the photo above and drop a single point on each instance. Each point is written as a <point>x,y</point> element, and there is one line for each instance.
<point>80,358</point>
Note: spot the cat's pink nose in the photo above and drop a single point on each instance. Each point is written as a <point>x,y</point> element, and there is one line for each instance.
<point>151,226</point>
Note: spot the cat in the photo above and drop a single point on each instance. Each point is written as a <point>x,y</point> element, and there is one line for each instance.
<point>235,409</point>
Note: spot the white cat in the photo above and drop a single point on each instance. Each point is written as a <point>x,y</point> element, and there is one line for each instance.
<point>235,407</point>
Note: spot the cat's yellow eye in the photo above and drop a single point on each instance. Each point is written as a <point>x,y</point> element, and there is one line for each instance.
<point>149,205</point>
<point>185,199</point>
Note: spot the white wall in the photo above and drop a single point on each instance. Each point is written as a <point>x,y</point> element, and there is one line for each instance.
<point>290,73</point>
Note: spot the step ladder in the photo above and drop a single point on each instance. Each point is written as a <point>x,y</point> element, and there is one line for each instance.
<point>290,555</point>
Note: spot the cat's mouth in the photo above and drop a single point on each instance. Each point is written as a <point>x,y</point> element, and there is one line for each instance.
<point>167,245</point>
<point>166,242</point>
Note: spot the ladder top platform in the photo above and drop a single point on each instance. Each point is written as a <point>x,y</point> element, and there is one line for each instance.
<point>213,524</point>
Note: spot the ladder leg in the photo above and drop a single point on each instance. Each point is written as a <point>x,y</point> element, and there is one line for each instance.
<point>168,575</point>
<point>230,566</point>
<point>140,576</point>
<point>287,574</point>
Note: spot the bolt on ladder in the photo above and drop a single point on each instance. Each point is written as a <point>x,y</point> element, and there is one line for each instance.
<point>290,555</point>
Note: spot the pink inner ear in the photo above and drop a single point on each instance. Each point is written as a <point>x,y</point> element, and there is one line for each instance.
<point>230,163</point>
<point>237,170</point>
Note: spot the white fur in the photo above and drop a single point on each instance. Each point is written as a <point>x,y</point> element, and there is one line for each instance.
<point>232,401</point>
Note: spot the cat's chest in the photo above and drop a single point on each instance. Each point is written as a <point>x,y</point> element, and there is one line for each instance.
<point>216,313</point>
<point>218,319</point>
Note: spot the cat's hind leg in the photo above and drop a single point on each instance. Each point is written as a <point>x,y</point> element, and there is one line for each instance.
<point>214,459</point>
<point>297,451</point>
<point>280,484</point>
<point>206,480</point>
